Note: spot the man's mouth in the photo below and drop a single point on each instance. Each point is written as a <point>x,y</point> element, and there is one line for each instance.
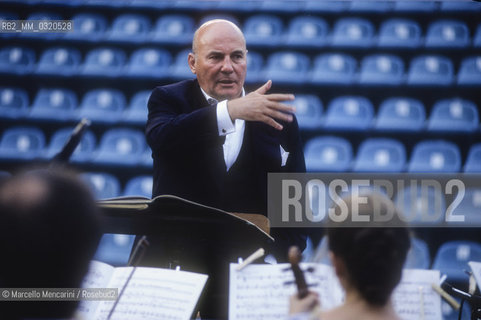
<point>226,82</point>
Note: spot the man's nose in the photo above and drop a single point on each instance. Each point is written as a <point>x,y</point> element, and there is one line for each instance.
<point>227,65</point>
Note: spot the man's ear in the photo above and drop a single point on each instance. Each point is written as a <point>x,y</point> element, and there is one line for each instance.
<point>191,60</point>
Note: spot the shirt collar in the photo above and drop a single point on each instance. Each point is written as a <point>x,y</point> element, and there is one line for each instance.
<point>209,98</point>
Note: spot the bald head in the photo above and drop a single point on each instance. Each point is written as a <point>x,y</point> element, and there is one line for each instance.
<point>214,24</point>
<point>219,59</point>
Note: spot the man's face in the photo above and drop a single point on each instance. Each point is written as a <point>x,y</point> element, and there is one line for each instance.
<point>220,61</point>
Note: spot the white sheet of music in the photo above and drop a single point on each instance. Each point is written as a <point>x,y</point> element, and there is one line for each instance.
<point>414,297</point>
<point>152,293</point>
<point>263,291</point>
<point>476,268</point>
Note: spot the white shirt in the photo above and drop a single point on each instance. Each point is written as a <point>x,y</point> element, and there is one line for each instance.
<point>233,132</point>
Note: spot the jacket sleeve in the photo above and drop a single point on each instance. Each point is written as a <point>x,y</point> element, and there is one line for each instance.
<point>171,127</point>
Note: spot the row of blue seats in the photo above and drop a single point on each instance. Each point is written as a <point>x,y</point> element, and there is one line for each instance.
<point>335,154</point>
<point>127,147</point>
<point>356,113</point>
<point>105,185</point>
<point>276,6</point>
<point>284,67</point>
<point>117,147</point>
<point>266,30</point>
<point>99,105</point>
<point>344,113</point>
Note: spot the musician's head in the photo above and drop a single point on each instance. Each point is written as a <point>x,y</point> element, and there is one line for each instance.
<point>49,225</point>
<point>369,260</point>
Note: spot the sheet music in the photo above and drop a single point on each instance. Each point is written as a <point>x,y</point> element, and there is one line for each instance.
<point>476,268</point>
<point>414,297</point>
<point>97,277</point>
<point>263,291</point>
<point>152,293</point>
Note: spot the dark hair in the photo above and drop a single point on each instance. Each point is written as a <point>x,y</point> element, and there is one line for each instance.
<point>373,256</point>
<point>49,225</point>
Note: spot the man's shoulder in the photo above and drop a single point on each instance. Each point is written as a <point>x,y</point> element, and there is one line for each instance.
<point>178,88</point>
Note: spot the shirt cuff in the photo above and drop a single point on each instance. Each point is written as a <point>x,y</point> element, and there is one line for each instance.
<point>224,122</point>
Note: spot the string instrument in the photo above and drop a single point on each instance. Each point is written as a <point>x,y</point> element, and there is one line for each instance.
<point>294,256</point>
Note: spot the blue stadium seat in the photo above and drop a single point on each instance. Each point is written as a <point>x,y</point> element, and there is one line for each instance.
<point>421,206</point>
<point>281,6</point>
<point>452,259</point>
<point>149,62</point>
<point>238,6</point>
<point>455,114</point>
<point>123,147</point>
<point>224,16</point>
<point>130,28</point>
<point>371,6</point>
<point>255,65</point>
<point>54,105</point>
<point>102,106</point>
<point>469,207</point>
<point>83,152</point>
<point>328,154</point>
<point>136,112</point>
<point>149,4</point>
<point>418,256</point>
<point>89,27</point>
<point>195,5</point>
<point>460,6</point>
<point>308,111</point>
<point>416,6</point>
<point>21,143</point>
<point>104,62</point>
<point>400,114</point>
<point>402,33</point>
<point>334,68</point>
<point>477,37</point>
<point>139,186</point>
<point>353,32</point>
<point>180,70</point>
<point>265,30</point>
<point>103,185</point>
<point>473,161</point>
<point>430,70</point>
<point>326,6</point>
<point>13,103</point>
<point>307,31</point>
<point>114,249</point>
<point>470,71</point>
<point>448,33</point>
<point>382,69</point>
<point>351,113</point>
<point>60,61</point>
<point>177,29</point>
<point>16,60</point>
<point>435,156</point>
<point>287,67</point>
<point>380,155</point>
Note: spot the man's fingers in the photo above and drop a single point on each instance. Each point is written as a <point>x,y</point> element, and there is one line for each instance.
<point>282,107</point>
<point>264,88</point>
<point>272,123</point>
<point>280,115</point>
<point>280,97</point>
